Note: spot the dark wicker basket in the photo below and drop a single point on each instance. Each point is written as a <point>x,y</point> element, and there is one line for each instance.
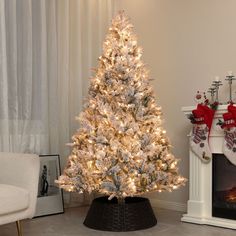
<point>135,214</point>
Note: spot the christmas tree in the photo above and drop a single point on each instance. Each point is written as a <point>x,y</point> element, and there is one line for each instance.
<point>121,148</point>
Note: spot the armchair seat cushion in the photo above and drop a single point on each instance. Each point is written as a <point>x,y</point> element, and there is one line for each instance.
<point>13,199</point>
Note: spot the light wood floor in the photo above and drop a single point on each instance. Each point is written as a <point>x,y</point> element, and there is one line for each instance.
<point>71,224</point>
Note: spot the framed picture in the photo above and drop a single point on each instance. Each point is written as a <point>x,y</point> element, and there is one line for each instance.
<point>50,197</point>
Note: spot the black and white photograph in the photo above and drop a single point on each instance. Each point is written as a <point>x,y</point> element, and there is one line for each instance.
<point>50,198</point>
<point>48,174</point>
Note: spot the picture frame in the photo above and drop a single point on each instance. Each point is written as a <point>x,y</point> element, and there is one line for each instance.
<point>50,197</point>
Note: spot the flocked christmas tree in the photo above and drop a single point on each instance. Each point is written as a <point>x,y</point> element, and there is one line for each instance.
<point>121,148</point>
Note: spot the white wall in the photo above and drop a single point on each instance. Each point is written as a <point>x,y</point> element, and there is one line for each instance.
<point>186,43</point>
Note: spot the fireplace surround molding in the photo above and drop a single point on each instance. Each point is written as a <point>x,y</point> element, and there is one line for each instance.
<point>199,207</point>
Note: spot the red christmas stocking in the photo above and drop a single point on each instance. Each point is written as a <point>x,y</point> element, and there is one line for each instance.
<point>229,146</point>
<point>232,110</point>
<point>203,117</point>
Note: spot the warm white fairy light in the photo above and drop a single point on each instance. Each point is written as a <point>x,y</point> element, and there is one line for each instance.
<point>173,165</point>
<point>89,164</point>
<point>121,149</point>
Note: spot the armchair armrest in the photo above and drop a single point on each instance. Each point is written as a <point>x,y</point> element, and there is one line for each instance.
<point>22,170</point>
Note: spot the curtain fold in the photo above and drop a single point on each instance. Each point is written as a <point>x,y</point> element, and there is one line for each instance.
<point>47,50</point>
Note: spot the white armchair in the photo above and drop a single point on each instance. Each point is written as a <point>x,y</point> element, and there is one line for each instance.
<point>19,175</point>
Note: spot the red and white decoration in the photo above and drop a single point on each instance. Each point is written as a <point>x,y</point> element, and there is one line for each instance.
<point>202,121</point>
<point>199,207</point>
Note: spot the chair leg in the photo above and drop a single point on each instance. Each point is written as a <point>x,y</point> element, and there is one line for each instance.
<point>19,229</point>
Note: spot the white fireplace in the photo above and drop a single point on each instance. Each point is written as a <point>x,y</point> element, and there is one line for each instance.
<point>199,208</point>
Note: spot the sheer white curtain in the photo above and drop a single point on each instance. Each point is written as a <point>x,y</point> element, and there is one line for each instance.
<point>47,49</point>
<point>22,77</point>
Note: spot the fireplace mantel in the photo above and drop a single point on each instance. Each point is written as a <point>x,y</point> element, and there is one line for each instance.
<point>200,179</point>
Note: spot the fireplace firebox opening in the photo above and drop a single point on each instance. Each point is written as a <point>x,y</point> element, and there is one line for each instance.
<point>223,187</point>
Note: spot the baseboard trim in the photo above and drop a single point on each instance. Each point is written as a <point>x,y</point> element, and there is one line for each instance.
<point>176,206</point>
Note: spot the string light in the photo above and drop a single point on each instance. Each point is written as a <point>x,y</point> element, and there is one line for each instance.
<point>89,163</point>
<point>120,149</point>
<point>173,165</point>
<point>163,140</point>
